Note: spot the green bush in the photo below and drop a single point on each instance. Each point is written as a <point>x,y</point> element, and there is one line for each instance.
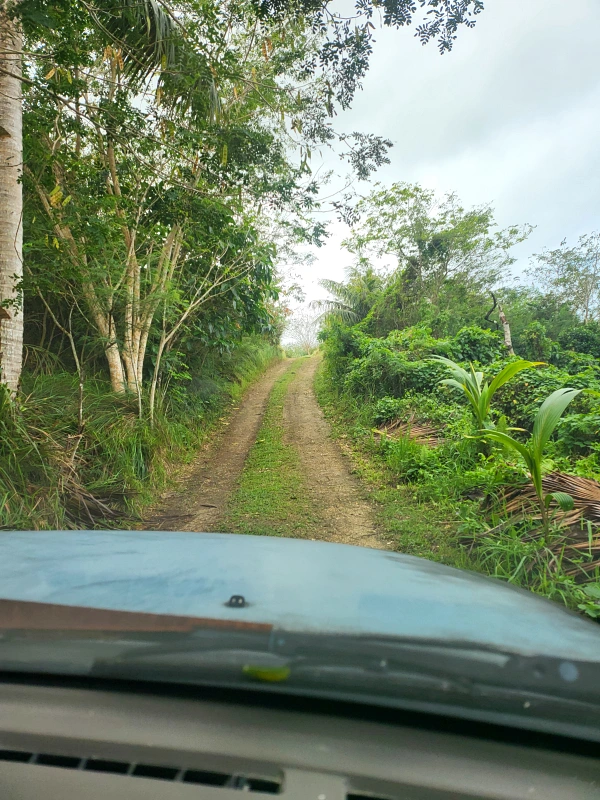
<point>408,459</point>
<point>476,344</point>
<point>583,339</point>
<point>520,399</point>
<point>387,409</point>
<point>537,345</point>
<point>578,433</point>
<point>383,372</point>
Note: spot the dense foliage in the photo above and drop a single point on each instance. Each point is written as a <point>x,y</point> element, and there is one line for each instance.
<point>417,355</point>
<point>166,154</point>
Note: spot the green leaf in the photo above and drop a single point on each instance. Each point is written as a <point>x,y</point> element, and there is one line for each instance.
<point>547,417</point>
<point>592,590</point>
<point>509,372</point>
<point>564,500</point>
<point>452,382</point>
<point>508,441</point>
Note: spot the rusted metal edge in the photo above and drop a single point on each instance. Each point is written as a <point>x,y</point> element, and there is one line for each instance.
<point>26,615</point>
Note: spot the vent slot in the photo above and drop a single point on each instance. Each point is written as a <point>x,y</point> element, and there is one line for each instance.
<point>67,762</point>
<point>205,778</point>
<point>15,755</point>
<point>101,765</point>
<point>260,785</point>
<point>152,771</point>
<point>158,773</point>
<point>359,796</point>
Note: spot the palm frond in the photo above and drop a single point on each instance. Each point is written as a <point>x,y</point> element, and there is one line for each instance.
<point>339,290</point>
<point>584,492</point>
<point>334,308</point>
<point>144,30</point>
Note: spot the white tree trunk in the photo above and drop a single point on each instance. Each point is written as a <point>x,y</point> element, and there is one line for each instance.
<point>506,330</point>
<point>11,201</point>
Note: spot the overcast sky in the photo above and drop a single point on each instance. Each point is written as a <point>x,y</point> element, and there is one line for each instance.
<point>511,116</point>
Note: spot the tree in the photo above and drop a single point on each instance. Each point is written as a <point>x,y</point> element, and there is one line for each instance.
<point>352,299</point>
<point>11,200</point>
<point>161,46</point>
<point>346,41</point>
<point>148,213</point>
<point>301,332</point>
<point>572,274</point>
<point>144,242</point>
<point>440,248</point>
<point>145,34</point>
<point>433,238</point>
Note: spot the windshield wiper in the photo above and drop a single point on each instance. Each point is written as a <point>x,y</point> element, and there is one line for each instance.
<point>365,662</point>
<point>457,665</point>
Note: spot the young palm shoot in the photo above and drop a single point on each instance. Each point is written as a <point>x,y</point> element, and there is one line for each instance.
<point>480,393</point>
<point>532,453</point>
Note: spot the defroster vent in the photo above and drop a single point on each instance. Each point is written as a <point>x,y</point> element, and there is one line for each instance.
<point>160,772</point>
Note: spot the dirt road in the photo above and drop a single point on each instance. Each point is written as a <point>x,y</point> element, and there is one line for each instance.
<point>345,514</point>
<point>199,502</point>
<point>336,496</point>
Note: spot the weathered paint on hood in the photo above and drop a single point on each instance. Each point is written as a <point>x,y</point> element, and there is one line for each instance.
<point>290,583</point>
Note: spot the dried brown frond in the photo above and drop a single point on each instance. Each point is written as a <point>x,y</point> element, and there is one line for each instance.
<point>420,432</point>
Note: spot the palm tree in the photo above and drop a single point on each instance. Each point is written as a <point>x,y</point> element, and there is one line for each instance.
<point>147,34</point>
<point>353,299</point>
<point>11,202</point>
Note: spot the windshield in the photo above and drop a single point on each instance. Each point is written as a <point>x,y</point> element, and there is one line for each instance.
<point>300,348</point>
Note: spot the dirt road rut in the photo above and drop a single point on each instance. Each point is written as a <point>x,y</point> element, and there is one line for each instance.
<point>200,502</point>
<point>343,513</point>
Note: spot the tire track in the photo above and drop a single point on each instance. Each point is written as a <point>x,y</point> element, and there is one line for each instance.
<point>200,501</point>
<point>345,515</point>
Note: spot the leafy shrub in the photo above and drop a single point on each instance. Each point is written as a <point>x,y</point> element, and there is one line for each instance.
<point>476,344</point>
<point>577,433</point>
<point>537,345</point>
<point>384,372</point>
<point>573,362</point>
<point>519,400</point>
<point>387,409</point>
<point>583,339</point>
<point>417,343</point>
<point>408,458</point>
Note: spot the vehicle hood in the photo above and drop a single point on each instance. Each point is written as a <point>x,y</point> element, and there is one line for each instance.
<point>290,584</point>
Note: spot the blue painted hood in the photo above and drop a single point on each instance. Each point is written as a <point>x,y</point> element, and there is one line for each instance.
<point>290,583</point>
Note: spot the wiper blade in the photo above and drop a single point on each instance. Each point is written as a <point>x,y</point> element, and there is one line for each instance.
<point>452,660</point>
<point>310,657</point>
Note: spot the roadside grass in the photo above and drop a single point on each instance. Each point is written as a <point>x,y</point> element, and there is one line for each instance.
<point>57,471</point>
<point>432,519</point>
<point>271,498</point>
<point>412,525</point>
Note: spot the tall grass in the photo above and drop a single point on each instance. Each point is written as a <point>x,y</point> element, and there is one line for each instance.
<point>55,473</point>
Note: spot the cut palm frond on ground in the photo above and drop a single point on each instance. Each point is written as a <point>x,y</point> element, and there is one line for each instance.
<point>584,491</point>
<point>422,433</point>
<point>574,541</point>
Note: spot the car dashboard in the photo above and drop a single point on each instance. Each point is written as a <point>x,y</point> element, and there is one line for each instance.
<point>58,742</point>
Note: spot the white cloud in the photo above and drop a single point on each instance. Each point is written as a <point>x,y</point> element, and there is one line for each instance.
<point>510,117</point>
